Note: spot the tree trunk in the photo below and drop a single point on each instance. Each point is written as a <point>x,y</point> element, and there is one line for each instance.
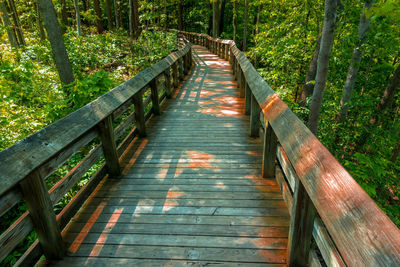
<point>39,22</point>
<point>234,20</point>
<point>131,19</point>
<point>166,16</point>
<point>323,63</point>
<point>109,15</point>
<point>351,78</point>
<point>210,19</point>
<point>54,35</point>
<point>64,16</point>
<point>20,35</point>
<point>308,86</point>
<point>388,94</point>
<point>6,20</point>
<point>221,17</point>
<point>99,21</point>
<point>78,18</point>
<point>215,18</point>
<point>246,18</point>
<point>116,15</point>
<point>136,18</point>
<point>180,21</point>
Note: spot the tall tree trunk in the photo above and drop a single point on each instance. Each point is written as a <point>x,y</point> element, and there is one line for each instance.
<point>246,18</point>
<point>234,20</point>
<point>323,63</point>
<point>308,86</point>
<point>109,15</point>
<point>363,29</point>
<point>42,35</point>
<point>20,35</point>
<point>210,19</point>
<point>54,35</point>
<point>64,16</point>
<point>221,17</point>
<point>6,20</point>
<point>131,19</point>
<point>99,20</point>
<point>388,94</point>
<point>136,18</point>
<point>215,18</point>
<point>78,18</point>
<point>116,15</point>
<point>166,16</point>
<point>180,21</point>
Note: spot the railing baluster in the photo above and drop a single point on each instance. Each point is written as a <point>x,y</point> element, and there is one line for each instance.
<point>106,133</point>
<point>42,214</point>
<point>254,117</point>
<point>301,225</point>
<point>269,152</point>
<point>155,99</point>
<point>247,99</point>
<point>175,74</point>
<point>139,113</point>
<point>242,84</point>
<point>180,67</point>
<point>168,91</point>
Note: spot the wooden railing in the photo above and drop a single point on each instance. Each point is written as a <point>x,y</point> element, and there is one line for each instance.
<point>327,206</point>
<point>25,166</point>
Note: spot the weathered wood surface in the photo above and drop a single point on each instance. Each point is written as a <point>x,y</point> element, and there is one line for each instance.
<point>197,167</point>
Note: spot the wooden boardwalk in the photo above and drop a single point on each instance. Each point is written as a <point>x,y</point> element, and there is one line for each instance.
<point>191,192</point>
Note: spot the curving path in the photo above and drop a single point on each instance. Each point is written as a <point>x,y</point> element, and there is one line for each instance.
<point>191,193</point>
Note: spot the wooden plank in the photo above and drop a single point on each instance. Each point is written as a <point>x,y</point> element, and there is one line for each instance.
<point>139,114</point>
<point>184,241</point>
<point>287,167</point>
<point>100,261</point>
<point>126,124</point>
<point>269,153</point>
<point>301,227</point>
<point>11,237</point>
<point>118,112</point>
<point>9,200</point>
<point>64,185</point>
<point>243,256</point>
<point>287,194</point>
<point>325,244</point>
<point>168,90</point>
<point>43,218</point>
<point>31,256</point>
<point>314,261</point>
<point>106,133</point>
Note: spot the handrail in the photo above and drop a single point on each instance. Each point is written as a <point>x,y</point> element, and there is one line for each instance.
<point>320,192</point>
<point>25,165</point>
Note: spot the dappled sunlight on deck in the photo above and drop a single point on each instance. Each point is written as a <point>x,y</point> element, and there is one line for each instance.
<point>191,190</point>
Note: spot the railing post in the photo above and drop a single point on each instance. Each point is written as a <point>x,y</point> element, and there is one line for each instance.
<point>180,67</point>
<point>242,84</point>
<point>227,51</point>
<point>106,134</point>
<point>301,226</point>
<point>175,74</point>
<point>269,151</point>
<point>234,68</point>
<point>247,99</point>
<point>139,113</point>
<point>254,117</point>
<point>42,214</point>
<point>167,75</point>
<point>154,97</point>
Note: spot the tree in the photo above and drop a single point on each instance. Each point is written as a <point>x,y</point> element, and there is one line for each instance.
<point>78,18</point>
<point>234,20</point>
<point>216,19</point>
<point>116,15</point>
<point>180,22</point>
<point>363,29</point>
<point>323,63</point>
<point>39,23</point>
<point>109,15</point>
<point>221,17</point>
<point>17,24</point>
<point>246,18</point>
<point>388,95</point>
<point>54,35</point>
<point>6,20</point>
<point>64,16</point>
<point>99,21</point>
<point>135,10</point>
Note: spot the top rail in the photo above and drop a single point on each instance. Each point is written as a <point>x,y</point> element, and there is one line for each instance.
<point>363,234</point>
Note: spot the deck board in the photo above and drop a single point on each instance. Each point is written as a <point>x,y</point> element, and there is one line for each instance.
<point>191,193</point>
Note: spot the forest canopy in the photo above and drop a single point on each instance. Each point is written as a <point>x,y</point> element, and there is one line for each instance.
<point>336,63</point>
